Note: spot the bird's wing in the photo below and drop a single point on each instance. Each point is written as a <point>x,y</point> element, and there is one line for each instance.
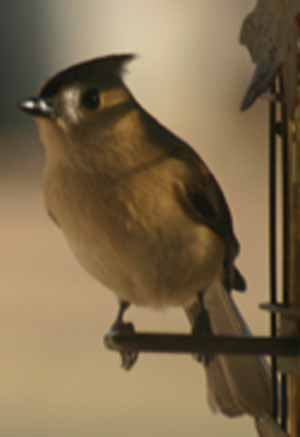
<point>199,194</point>
<point>203,199</point>
<point>206,203</point>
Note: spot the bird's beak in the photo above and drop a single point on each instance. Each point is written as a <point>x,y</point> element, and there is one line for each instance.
<point>37,107</point>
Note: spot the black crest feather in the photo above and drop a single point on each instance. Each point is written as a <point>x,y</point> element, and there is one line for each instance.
<point>104,68</point>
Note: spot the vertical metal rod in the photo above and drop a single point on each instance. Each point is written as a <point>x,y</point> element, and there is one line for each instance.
<point>286,199</point>
<point>286,236</point>
<point>294,158</point>
<point>273,237</point>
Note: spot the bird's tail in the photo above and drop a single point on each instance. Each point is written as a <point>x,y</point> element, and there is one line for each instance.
<point>236,385</point>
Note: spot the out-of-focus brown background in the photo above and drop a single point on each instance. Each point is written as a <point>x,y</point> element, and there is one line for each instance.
<point>56,378</point>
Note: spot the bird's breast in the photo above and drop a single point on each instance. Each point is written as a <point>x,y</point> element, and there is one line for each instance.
<point>134,238</point>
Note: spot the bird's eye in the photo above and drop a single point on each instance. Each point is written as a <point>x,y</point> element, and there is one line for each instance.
<point>91,99</point>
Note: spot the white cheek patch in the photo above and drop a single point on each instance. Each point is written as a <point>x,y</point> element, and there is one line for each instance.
<point>71,113</point>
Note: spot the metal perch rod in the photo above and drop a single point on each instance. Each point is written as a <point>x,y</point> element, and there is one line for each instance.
<point>188,344</point>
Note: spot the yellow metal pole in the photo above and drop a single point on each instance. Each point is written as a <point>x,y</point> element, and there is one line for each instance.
<point>294,150</point>
<point>291,75</point>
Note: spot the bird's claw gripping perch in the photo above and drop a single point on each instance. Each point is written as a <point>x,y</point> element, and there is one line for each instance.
<point>128,356</point>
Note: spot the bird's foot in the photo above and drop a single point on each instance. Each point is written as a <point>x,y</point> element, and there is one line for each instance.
<point>202,327</point>
<point>128,356</point>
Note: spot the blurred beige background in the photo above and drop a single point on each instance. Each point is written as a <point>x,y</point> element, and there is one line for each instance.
<point>56,377</point>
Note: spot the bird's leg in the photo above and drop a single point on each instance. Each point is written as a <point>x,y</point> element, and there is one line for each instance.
<point>202,327</point>
<point>118,324</point>
<point>128,357</point>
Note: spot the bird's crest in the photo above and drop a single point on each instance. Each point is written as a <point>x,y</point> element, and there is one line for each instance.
<point>105,68</point>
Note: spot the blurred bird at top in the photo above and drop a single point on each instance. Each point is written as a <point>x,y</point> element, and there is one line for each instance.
<point>144,215</point>
<point>270,32</point>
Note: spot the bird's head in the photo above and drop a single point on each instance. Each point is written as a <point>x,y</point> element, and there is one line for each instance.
<point>80,106</point>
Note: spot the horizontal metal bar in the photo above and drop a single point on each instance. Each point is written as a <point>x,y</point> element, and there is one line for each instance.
<point>188,344</point>
<point>288,312</point>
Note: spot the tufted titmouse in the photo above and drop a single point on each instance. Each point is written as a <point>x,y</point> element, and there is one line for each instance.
<point>144,215</point>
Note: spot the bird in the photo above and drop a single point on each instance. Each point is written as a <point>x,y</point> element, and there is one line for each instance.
<point>145,216</point>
